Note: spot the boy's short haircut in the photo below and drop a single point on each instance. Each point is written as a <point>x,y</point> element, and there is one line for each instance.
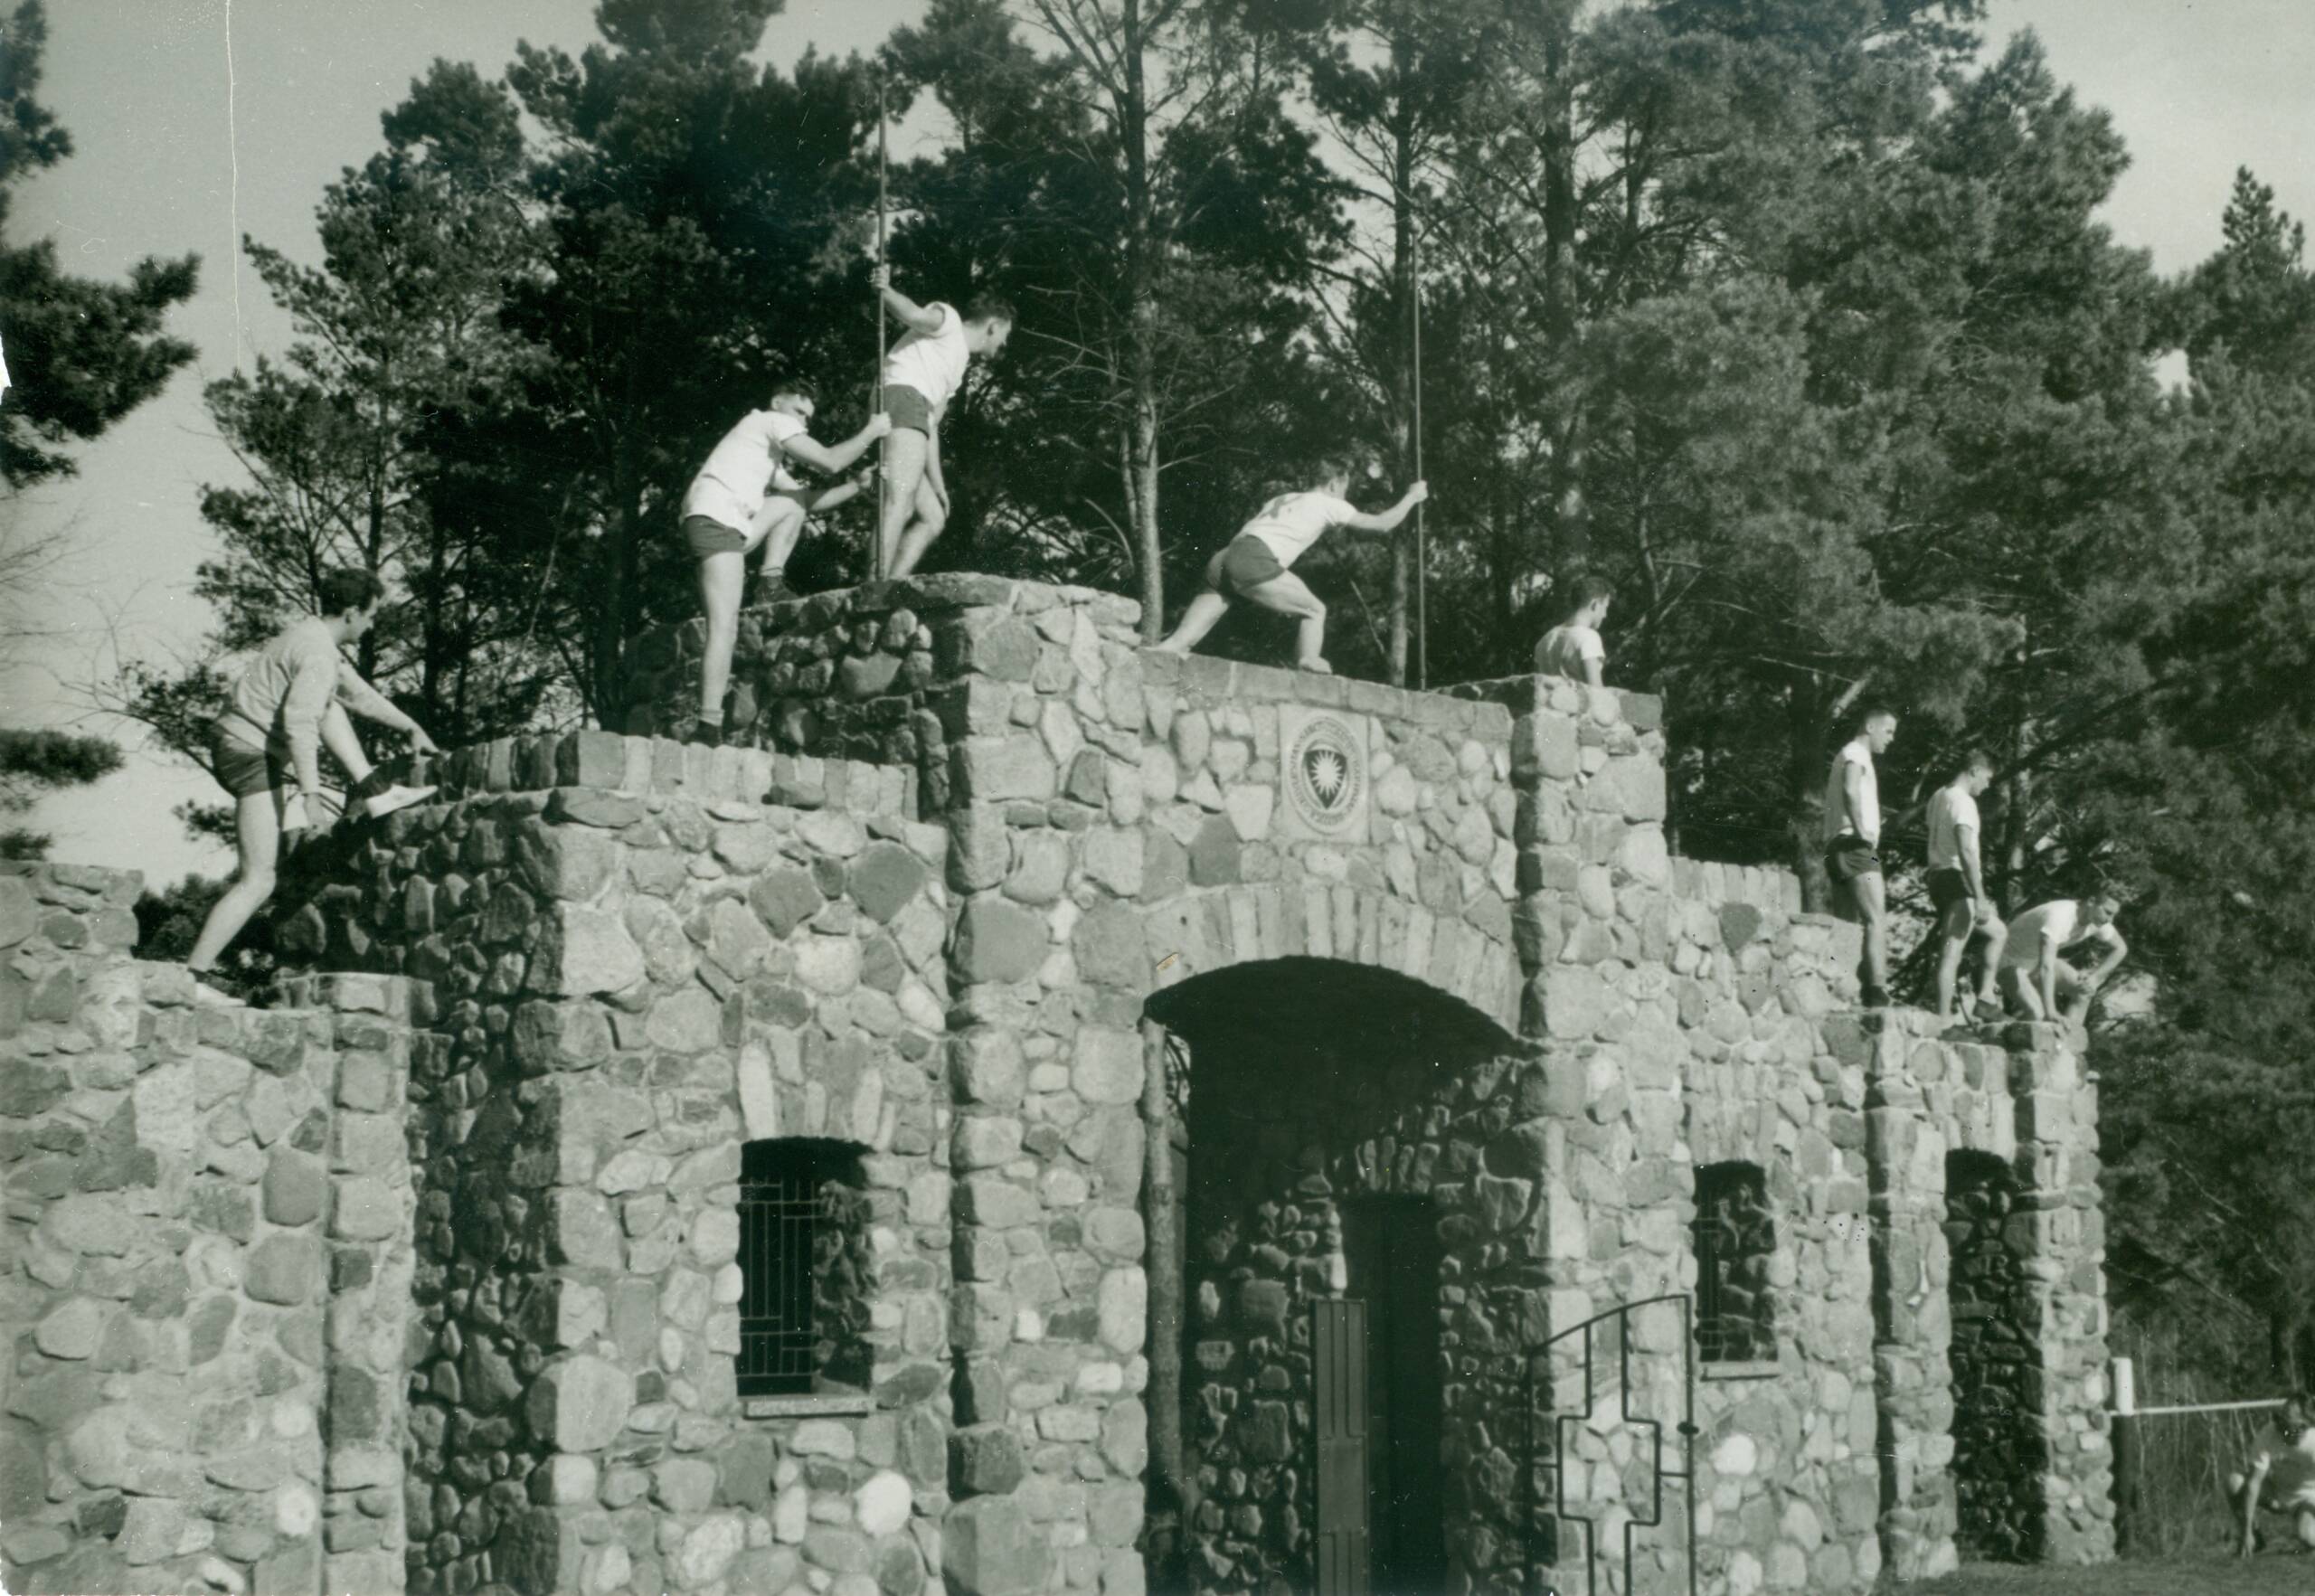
<point>1588,588</point>
<point>800,387</point>
<point>986,306</point>
<point>1336,465</point>
<point>1872,713</point>
<point>346,588</point>
<point>1976,760</point>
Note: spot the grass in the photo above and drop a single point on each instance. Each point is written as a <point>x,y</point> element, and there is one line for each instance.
<point>2273,1573</point>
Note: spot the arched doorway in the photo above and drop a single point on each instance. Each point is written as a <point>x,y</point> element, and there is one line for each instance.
<point>1322,1175</point>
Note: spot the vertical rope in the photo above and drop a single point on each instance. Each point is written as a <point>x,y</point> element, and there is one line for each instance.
<point>1422,546</point>
<point>877,367</point>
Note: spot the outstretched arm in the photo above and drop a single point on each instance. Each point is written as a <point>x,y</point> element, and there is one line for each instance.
<point>361,699</point>
<point>2116,952</point>
<point>821,457</point>
<point>1388,520</point>
<point>828,498</point>
<point>917,318</point>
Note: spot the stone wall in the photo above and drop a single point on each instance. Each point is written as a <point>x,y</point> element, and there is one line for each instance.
<point>207,1275</point>
<point>2019,1095</point>
<point>976,851</point>
<point>636,972</point>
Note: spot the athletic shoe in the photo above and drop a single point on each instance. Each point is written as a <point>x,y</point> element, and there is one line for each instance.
<point>1876,997</point>
<point>705,734</point>
<point>772,587</point>
<point>396,796</point>
<point>214,989</point>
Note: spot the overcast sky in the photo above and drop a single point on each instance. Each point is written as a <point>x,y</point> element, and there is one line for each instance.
<point>195,121</point>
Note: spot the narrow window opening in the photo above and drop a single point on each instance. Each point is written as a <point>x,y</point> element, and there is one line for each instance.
<point>1734,1239</point>
<point>804,1269</point>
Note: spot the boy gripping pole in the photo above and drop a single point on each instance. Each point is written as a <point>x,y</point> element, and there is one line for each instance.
<point>745,495</point>
<point>1257,565</point>
<point>921,375</point>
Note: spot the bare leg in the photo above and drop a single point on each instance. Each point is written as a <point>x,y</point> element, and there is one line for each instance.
<point>2022,991</point>
<point>256,836</point>
<point>1953,926</point>
<point>1997,935</point>
<point>1873,913</point>
<point>1285,594</point>
<point>338,736</point>
<point>1208,608</point>
<point>780,525</point>
<point>2307,1528</point>
<point>924,526</point>
<point>721,578</point>
<point>904,453</point>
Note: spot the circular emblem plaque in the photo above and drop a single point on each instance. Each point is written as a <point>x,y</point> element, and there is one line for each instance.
<point>1326,773</point>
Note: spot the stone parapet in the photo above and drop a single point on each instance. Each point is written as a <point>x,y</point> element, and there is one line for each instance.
<point>199,1284</point>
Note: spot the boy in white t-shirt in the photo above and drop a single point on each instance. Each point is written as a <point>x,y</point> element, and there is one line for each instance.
<point>1257,564</point>
<point>921,375</point>
<point>1957,883</point>
<point>2281,1474</point>
<point>1573,649</point>
<point>2041,984</point>
<point>1852,835</point>
<point>745,495</point>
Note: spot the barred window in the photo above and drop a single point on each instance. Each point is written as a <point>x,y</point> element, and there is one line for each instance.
<point>805,1270</point>
<point>1734,1237</point>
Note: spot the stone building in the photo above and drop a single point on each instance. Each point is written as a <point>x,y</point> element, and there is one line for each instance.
<point>1050,1117</point>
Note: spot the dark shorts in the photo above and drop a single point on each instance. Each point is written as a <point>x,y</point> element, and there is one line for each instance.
<point>908,408</point>
<point>249,772</point>
<point>706,535</point>
<point>1946,888</point>
<point>1245,565</point>
<point>1850,858</point>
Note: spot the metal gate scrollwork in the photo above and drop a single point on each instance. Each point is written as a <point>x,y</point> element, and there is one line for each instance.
<point>1611,1481</point>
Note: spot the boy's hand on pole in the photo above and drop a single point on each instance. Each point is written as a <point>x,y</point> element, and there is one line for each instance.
<point>879,425</point>
<point>880,276</point>
<point>1418,493</point>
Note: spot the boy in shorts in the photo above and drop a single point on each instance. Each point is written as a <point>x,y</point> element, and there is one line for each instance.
<point>2039,983</point>
<point>745,495</point>
<point>1573,649</point>
<point>1957,884</point>
<point>2281,1474</point>
<point>287,702</point>
<point>1852,835</point>
<point>921,375</point>
<point>1257,564</point>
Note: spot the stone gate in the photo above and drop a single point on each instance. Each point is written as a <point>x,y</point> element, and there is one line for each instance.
<point>795,1144</point>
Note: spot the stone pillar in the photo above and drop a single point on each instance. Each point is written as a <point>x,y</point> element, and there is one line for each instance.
<point>372,1207</point>
<point>1042,721</point>
<point>2061,1231</point>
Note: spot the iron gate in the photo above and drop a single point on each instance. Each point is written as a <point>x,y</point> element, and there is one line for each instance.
<point>1611,1401</point>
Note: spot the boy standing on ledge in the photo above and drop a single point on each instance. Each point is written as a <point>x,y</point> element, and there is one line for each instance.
<point>744,495</point>
<point>921,375</point>
<point>1852,841</point>
<point>1257,564</point>
<point>288,702</point>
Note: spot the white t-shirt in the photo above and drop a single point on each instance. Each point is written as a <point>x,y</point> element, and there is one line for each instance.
<point>1838,822</point>
<point>748,464</point>
<point>1565,649</point>
<point>1290,523</point>
<point>2291,1465</point>
<point>1951,811</point>
<point>2057,923</point>
<point>933,363</point>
